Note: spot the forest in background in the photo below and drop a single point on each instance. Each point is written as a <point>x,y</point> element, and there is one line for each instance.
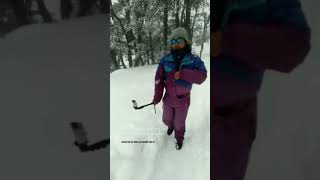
<point>16,13</point>
<point>140,28</point>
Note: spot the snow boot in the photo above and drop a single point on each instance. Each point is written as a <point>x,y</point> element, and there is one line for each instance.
<point>169,131</point>
<point>179,145</point>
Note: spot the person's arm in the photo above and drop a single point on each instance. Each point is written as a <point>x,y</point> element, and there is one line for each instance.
<point>197,75</point>
<point>280,45</point>
<point>159,84</point>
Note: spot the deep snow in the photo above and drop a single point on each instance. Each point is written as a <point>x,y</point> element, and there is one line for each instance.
<point>157,160</point>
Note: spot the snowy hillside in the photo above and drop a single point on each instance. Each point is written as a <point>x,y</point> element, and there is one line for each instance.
<point>51,75</point>
<point>157,160</point>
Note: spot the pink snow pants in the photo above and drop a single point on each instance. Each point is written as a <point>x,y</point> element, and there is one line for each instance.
<point>175,117</point>
<point>234,130</point>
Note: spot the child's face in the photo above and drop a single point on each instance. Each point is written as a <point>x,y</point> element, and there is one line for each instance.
<point>178,43</point>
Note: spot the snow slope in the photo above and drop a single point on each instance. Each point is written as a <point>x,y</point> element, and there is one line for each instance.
<point>157,160</point>
<point>51,75</point>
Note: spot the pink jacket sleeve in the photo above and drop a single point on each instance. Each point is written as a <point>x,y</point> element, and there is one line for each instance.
<point>197,75</point>
<point>278,47</point>
<point>159,84</point>
<point>193,76</point>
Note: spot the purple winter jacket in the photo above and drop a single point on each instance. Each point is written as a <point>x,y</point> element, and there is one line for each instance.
<point>192,70</point>
<point>273,35</point>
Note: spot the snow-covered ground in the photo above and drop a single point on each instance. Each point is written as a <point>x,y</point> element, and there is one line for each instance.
<point>159,159</point>
<point>52,74</point>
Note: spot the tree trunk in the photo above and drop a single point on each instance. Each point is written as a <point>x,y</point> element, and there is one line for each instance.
<point>129,53</point>
<point>140,23</point>
<point>44,11</point>
<point>122,62</point>
<point>28,4</point>
<point>84,8</point>
<point>193,23</point>
<point>21,12</point>
<point>205,27</point>
<point>128,13</point>
<point>183,14</point>
<point>105,6</point>
<point>128,19</point>
<point>177,22</point>
<point>165,23</point>
<point>65,9</point>
<point>114,59</point>
<point>151,48</point>
<point>187,22</point>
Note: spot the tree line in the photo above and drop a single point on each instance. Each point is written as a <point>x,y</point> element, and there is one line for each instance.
<point>16,13</point>
<point>140,28</point>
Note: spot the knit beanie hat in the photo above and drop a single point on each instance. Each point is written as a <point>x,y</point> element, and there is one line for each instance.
<point>179,32</point>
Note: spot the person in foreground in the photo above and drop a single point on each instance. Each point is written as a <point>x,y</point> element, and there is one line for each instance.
<point>176,72</point>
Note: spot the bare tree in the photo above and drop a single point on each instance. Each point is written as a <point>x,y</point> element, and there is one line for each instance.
<point>165,22</point>
<point>177,9</point>
<point>183,14</point>
<point>151,51</point>
<point>44,11</point>
<point>21,12</point>
<point>115,63</point>
<point>206,20</point>
<point>187,22</point>
<point>105,6</point>
<point>66,8</point>
<point>128,34</point>
<point>195,17</point>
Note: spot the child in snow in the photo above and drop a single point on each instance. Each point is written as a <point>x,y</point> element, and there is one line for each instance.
<point>176,73</point>
<point>254,36</point>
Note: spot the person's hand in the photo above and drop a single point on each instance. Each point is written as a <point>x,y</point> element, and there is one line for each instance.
<point>155,102</point>
<point>216,41</point>
<point>177,75</point>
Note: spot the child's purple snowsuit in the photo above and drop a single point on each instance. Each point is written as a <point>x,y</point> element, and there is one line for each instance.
<point>176,100</point>
<point>273,35</point>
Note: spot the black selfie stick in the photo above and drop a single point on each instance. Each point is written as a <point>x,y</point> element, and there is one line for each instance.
<point>82,140</point>
<point>136,107</point>
<point>92,147</point>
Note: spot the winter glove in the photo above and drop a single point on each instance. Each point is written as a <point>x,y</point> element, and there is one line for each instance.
<point>155,101</point>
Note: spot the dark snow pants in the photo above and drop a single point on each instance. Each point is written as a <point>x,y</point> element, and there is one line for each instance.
<point>175,117</point>
<point>234,130</point>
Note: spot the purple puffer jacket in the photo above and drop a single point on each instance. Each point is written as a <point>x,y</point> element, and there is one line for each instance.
<point>192,70</point>
<point>273,35</point>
